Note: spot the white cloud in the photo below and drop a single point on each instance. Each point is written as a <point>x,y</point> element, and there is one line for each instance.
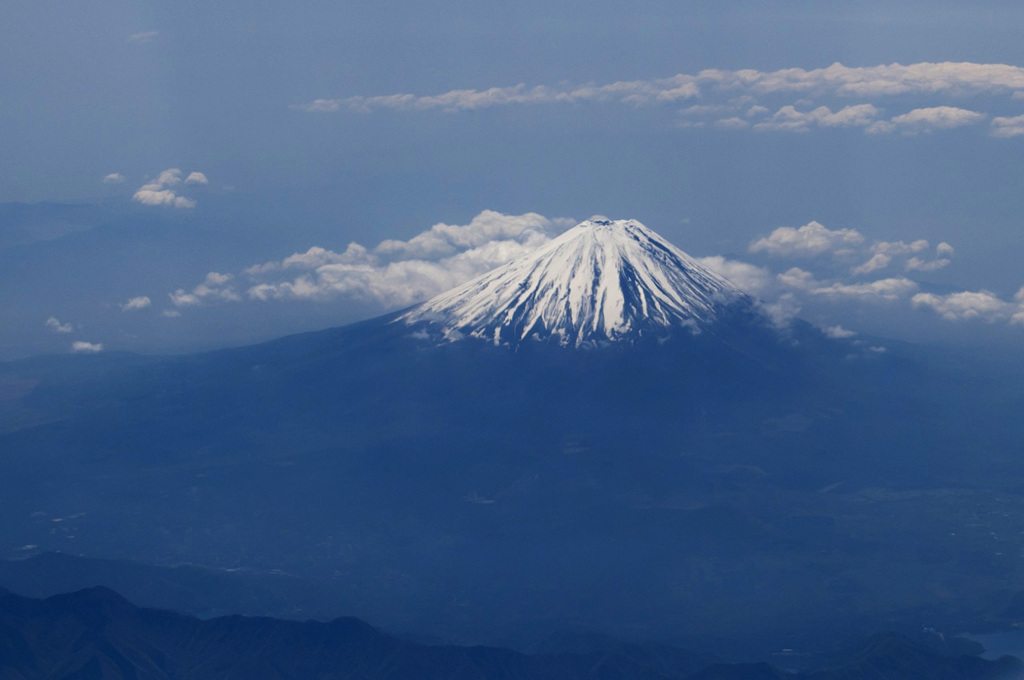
<point>170,313</point>
<point>917,264</point>
<point>734,123</point>
<point>927,120</point>
<point>750,278</point>
<point>163,190</point>
<point>82,347</point>
<point>899,247</point>
<point>705,110</point>
<point>944,250</point>
<point>398,273</point>
<point>213,288</point>
<point>196,178</point>
<point>136,303</point>
<point>113,178</point>
<point>807,241</point>
<point>883,290</point>
<point>799,279</point>
<point>877,261</point>
<point>782,309</point>
<point>1007,127</point>
<point>1018,314</point>
<point>964,306</point>
<point>949,78</point>
<point>960,79</point>
<point>789,119</point>
<point>637,92</point>
<point>57,327</point>
<point>838,332</point>
<point>143,38</point>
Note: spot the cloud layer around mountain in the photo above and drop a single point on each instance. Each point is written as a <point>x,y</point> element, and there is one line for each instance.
<point>792,267</point>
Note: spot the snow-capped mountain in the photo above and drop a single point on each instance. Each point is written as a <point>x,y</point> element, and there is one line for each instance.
<point>600,281</point>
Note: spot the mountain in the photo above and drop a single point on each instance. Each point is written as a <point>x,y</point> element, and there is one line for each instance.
<point>95,633</point>
<point>601,281</point>
<point>644,476</point>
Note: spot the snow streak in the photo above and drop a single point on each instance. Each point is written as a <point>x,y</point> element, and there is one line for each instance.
<point>600,281</point>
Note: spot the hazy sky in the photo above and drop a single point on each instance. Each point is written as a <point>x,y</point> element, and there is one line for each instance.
<point>178,176</point>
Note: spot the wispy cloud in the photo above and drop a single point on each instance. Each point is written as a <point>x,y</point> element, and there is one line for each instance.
<point>143,38</point>
<point>82,347</point>
<point>726,99</point>
<point>789,119</point>
<point>114,178</point>
<point>927,120</point>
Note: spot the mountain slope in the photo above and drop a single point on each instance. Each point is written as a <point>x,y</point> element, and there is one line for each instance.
<point>600,281</point>
<point>95,633</point>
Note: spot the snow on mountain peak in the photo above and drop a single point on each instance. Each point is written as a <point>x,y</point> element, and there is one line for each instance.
<point>600,281</point>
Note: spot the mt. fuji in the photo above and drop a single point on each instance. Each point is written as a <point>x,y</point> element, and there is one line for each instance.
<point>653,456</point>
<point>600,281</point>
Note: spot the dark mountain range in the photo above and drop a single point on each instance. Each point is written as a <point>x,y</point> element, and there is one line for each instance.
<point>97,634</point>
<point>583,468</point>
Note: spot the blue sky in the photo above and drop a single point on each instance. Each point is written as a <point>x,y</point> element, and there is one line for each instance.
<point>183,153</point>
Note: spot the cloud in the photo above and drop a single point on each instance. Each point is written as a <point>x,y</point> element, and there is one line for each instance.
<point>789,119</point>
<point>213,287</point>
<point>1007,127</point>
<point>917,264</point>
<point>636,92</point>
<point>82,347</point>
<point>883,290</point>
<point>927,120</point>
<point>954,79</point>
<point>399,273</point>
<point>143,38</point>
<point>114,178</point>
<point>810,240</point>
<point>57,327</point>
<point>901,247</point>
<point>799,279</point>
<point>136,303</point>
<point>163,190</point>
<point>782,310</point>
<point>734,123</point>
<point>750,278</point>
<point>877,261</point>
<point>964,306</point>
<point>838,332</point>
